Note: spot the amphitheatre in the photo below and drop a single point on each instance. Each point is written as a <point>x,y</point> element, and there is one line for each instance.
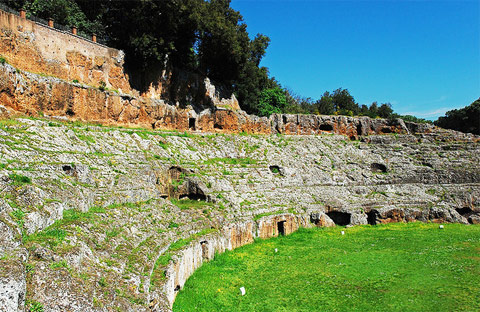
<point>111,198</point>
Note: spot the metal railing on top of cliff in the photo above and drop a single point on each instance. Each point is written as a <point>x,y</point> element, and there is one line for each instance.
<point>51,24</point>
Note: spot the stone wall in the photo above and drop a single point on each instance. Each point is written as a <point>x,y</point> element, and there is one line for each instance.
<point>230,237</point>
<point>36,48</point>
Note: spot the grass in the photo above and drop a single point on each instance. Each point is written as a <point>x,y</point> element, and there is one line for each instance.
<point>55,234</point>
<point>231,161</point>
<point>18,179</point>
<point>397,267</point>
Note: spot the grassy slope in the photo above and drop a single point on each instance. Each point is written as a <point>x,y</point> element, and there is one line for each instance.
<point>398,267</point>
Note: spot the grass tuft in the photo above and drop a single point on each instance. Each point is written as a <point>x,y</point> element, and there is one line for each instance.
<point>18,179</point>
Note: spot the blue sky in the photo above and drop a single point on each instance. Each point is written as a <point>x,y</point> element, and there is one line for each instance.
<point>423,57</point>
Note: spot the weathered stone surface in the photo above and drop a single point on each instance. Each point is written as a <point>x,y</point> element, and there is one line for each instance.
<point>35,48</point>
<point>100,198</point>
<point>320,219</point>
<point>12,285</point>
<point>31,94</point>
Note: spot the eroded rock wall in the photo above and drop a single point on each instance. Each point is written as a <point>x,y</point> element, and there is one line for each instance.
<point>32,94</point>
<point>36,48</point>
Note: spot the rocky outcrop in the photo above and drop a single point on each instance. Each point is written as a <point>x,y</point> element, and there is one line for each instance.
<point>36,48</point>
<point>31,94</point>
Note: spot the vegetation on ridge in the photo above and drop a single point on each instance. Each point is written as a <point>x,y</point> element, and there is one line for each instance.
<point>466,119</point>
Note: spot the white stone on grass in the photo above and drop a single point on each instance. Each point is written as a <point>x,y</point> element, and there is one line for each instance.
<point>441,226</point>
<point>242,291</point>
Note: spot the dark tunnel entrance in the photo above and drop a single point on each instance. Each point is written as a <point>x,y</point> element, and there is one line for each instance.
<point>281,227</point>
<point>340,218</point>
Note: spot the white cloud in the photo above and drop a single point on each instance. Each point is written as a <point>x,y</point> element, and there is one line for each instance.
<point>432,113</point>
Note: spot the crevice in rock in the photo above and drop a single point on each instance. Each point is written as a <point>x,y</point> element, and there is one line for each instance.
<point>359,129</point>
<point>468,213</point>
<point>204,245</point>
<point>69,170</point>
<point>340,218</point>
<point>427,164</point>
<point>217,126</point>
<point>464,211</point>
<point>386,130</point>
<point>193,196</point>
<point>275,169</point>
<point>376,167</point>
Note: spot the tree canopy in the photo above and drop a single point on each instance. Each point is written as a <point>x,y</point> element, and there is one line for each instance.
<point>466,119</point>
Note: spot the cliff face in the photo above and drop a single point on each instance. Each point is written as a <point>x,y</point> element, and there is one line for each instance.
<point>100,218</point>
<point>49,72</point>
<point>33,94</point>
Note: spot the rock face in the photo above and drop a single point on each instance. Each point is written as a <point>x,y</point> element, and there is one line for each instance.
<point>31,94</point>
<point>36,48</point>
<point>115,218</point>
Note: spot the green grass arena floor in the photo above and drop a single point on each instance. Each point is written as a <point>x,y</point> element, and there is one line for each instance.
<point>395,267</point>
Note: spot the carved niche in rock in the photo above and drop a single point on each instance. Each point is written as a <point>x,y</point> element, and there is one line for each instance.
<point>176,183</point>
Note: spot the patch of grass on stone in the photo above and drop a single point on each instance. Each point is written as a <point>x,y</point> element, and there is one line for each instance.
<point>56,233</point>
<point>18,179</point>
<point>231,161</point>
<point>34,306</point>
<point>396,267</point>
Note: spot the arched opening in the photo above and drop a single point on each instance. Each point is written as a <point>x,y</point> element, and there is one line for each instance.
<point>340,218</point>
<point>191,123</point>
<point>376,167</point>
<point>359,129</point>
<point>372,217</point>
<point>326,127</point>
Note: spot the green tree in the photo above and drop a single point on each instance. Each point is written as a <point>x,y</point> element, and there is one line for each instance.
<point>466,119</point>
<point>373,110</point>
<point>14,4</point>
<point>325,105</point>
<point>344,103</point>
<point>64,12</point>
<point>364,110</point>
<point>272,101</point>
<point>385,110</point>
